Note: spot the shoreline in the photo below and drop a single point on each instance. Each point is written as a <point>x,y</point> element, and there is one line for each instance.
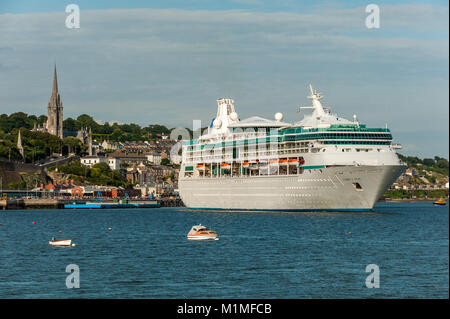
<point>396,200</point>
<point>19,204</point>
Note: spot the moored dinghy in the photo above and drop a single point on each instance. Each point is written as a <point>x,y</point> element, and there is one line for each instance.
<point>200,232</point>
<point>64,243</point>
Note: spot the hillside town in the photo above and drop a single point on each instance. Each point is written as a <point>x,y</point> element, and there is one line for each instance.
<point>144,166</point>
<point>423,179</point>
<point>48,157</point>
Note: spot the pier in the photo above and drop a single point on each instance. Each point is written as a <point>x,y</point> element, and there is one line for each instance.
<point>54,203</point>
<point>44,203</point>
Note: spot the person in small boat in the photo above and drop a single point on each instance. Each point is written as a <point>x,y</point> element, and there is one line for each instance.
<point>53,238</point>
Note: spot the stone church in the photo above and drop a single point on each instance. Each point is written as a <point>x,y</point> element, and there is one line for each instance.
<point>54,124</point>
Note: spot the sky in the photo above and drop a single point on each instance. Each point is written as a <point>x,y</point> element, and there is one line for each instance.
<point>167,62</point>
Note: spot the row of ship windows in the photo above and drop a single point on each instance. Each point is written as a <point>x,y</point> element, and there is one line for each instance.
<point>357,142</point>
<point>198,155</point>
<point>281,149</point>
<point>340,136</point>
<point>218,147</point>
<point>246,138</point>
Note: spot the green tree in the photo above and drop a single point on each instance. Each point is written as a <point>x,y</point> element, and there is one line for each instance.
<point>70,124</point>
<point>428,161</point>
<point>102,167</point>
<point>85,120</point>
<point>165,161</point>
<point>73,144</point>
<point>441,162</point>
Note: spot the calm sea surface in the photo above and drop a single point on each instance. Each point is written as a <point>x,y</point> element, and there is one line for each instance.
<point>259,255</point>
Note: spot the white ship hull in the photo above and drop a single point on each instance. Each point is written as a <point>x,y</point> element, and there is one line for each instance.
<point>328,189</point>
<point>194,237</point>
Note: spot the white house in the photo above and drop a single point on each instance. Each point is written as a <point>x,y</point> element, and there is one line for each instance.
<point>113,162</point>
<point>89,161</point>
<point>107,145</point>
<point>411,171</point>
<point>154,158</point>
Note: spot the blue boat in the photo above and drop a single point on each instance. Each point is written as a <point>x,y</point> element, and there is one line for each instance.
<point>83,206</point>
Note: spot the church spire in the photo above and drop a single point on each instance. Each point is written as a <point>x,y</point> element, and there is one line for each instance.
<point>55,109</point>
<point>55,83</point>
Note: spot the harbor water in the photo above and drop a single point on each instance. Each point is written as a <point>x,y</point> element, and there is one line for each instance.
<point>146,254</point>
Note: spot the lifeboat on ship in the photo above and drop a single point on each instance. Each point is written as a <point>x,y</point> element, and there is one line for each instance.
<point>273,162</point>
<point>253,165</point>
<point>200,232</point>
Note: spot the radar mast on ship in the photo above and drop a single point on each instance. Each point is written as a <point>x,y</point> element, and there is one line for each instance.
<point>317,106</point>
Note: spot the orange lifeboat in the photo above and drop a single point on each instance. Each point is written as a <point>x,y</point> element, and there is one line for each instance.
<point>225,165</point>
<point>293,161</point>
<point>200,232</point>
<point>272,162</point>
<point>245,164</point>
<point>283,161</point>
<point>200,166</point>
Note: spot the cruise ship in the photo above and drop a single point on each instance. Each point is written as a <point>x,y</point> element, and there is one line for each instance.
<point>320,163</point>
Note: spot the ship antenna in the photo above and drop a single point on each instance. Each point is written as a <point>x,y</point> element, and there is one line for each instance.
<point>311,89</point>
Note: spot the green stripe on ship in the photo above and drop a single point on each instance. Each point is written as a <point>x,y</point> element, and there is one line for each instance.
<point>313,167</point>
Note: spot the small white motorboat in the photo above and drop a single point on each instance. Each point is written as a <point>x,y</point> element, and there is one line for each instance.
<point>200,232</point>
<point>64,243</point>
